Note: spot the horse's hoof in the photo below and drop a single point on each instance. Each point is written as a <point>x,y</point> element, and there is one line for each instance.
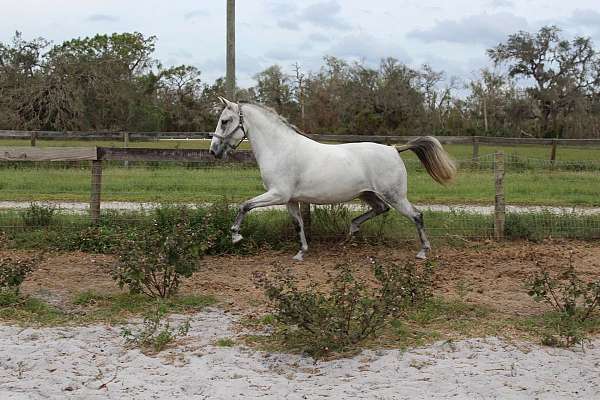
<point>422,255</point>
<point>236,238</point>
<point>299,256</point>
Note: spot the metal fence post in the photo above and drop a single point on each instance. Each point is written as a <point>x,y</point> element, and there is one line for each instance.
<point>306,219</point>
<point>95,191</point>
<point>499,200</point>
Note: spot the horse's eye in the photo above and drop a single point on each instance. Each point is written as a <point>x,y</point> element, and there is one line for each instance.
<point>224,122</point>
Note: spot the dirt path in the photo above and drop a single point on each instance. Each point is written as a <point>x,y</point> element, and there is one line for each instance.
<point>79,207</point>
<point>486,273</point>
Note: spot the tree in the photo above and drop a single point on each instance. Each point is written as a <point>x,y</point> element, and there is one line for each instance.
<point>273,87</point>
<point>563,71</point>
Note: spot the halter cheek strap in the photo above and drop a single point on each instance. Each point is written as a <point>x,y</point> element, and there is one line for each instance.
<point>237,128</point>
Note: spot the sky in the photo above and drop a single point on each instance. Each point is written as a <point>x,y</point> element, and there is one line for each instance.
<point>449,35</point>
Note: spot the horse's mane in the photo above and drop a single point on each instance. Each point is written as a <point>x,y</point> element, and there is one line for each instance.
<point>274,113</point>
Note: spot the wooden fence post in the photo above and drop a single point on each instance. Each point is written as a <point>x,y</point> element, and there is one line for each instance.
<point>33,139</point>
<point>126,145</point>
<point>475,150</point>
<point>96,190</point>
<point>499,201</point>
<point>553,153</point>
<point>306,219</point>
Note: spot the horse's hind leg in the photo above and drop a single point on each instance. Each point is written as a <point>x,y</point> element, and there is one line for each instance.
<point>378,206</point>
<point>294,210</point>
<point>405,208</point>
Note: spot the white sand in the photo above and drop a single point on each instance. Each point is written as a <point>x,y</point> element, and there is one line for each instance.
<point>77,363</point>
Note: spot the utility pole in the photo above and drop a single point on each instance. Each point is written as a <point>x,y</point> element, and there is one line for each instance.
<point>230,77</point>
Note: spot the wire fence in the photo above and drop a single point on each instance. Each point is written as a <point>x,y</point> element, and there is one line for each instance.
<point>50,198</point>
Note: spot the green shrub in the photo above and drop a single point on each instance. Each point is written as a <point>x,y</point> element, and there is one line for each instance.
<point>574,303</point>
<point>154,260</point>
<point>37,215</point>
<point>350,312</point>
<point>14,271</point>
<point>156,332</point>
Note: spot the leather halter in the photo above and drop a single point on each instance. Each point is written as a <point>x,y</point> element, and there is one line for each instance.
<point>237,128</point>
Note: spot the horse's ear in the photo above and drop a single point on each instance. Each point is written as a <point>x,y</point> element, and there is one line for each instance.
<point>229,104</point>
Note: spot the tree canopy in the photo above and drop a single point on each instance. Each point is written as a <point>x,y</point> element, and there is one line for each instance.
<point>539,84</point>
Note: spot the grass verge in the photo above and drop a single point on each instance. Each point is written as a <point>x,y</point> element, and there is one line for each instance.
<point>92,307</point>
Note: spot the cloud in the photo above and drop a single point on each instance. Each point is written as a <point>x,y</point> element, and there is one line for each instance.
<point>281,8</point>
<point>502,3</point>
<point>181,54</point>
<point>484,29</point>
<point>322,14</point>
<point>319,37</point>
<point>363,46</point>
<point>282,54</point>
<point>195,14</point>
<point>102,18</point>
<point>325,14</point>
<point>288,24</point>
<point>589,18</point>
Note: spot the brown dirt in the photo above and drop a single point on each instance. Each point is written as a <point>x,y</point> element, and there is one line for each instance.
<point>485,273</point>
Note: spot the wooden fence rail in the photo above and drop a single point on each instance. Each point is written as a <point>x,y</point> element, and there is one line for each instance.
<point>127,137</point>
<point>390,139</point>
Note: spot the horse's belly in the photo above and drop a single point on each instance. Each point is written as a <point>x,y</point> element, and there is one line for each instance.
<point>328,189</point>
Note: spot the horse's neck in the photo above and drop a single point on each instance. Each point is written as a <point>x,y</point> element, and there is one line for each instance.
<point>268,138</point>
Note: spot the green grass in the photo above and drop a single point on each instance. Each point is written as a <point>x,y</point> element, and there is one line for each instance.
<point>177,184</point>
<point>225,342</point>
<point>528,181</point>
<point>92,307</point>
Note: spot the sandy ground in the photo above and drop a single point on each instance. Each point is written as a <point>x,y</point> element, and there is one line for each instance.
<point>93,363</point>
<point>78,207</point>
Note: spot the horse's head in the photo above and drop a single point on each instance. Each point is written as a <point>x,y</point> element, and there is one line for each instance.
<point>230,131</point>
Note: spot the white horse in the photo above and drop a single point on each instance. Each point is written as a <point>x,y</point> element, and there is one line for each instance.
<point>297,169</point>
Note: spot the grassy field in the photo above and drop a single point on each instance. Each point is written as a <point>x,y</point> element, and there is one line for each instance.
<point>179,184</point>
<point>528,181</point>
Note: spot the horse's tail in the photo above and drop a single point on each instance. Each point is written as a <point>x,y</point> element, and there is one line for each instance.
<point>433,156</point>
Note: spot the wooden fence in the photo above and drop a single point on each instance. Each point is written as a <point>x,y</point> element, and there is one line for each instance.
<point>127,137</point>
<point>97,155</point>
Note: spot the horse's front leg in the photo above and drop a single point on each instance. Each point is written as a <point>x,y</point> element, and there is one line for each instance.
<point>270,198</point>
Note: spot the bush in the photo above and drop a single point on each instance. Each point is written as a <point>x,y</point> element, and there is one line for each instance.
<point>574,303</point>
<point>351,312</point>
<point>156,333</point>
<point>153,261</point>
<point>14,271</point>
<point>38,215</point>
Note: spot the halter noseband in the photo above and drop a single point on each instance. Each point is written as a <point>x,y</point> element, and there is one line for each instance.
<point>237,128</point>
